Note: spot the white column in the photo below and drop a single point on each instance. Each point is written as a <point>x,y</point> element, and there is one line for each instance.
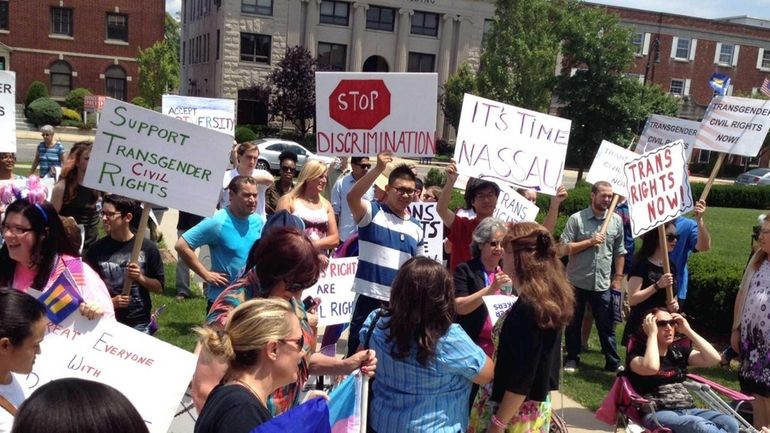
<point>402,40</point>
<point>442,64</point>
<point>356,40</point>
<point>464,41</point>
<point>295,23</point>
<point>311,19</point>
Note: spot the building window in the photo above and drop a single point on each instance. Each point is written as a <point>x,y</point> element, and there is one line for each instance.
<point>677,87</point>
<point>425,23</point>
<point>765,61</point>
<point>332,57</point>
<point>61,21</point>
<point>218,34</point>
<point>117,27</point>
<point>335,12</point>
<point>419,62</point>
<point>255,48</point>
<point>115,82</point>
<point>259,7</point>
<point>61,78</point>
<point>637,40</point>
<point>4,15</point>
<point>485,34</point>
<point>683,49</point>
<point>726,54</point>
<point>380,18</point>
<point>704,156</point>
<point>184,51</point>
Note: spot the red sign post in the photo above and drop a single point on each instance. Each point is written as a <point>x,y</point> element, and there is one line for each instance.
<point>359,104</point>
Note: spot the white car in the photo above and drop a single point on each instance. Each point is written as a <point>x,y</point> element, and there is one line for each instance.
<point>271,148</point>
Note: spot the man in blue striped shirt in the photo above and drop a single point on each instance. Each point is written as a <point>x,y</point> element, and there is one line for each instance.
<point>388,237</point>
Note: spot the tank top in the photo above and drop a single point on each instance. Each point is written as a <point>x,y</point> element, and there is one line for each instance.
<point>316,220</point>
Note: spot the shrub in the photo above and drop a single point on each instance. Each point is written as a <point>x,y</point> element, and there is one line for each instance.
<point>68,114</point>
<point>36,91</point>
<point>711,291</point>
<point>44,111</point>
<point>735,196</point>
<point>443,147</point>
<point>74,99</point>
<point>435,177</point>
<point>141,102</point>
<point>73,123</point>
<point>88,124</point>
<point>264,131</point>
<point>243,134</point>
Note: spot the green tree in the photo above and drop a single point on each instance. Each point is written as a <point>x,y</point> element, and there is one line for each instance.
<point>519,59</point>
<point>159,65</point>
<point>172,33</point>
<point>457,85</point>
<point>292,88</point>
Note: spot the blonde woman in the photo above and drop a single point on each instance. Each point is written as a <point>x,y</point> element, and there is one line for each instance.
<point>263,343</point>
<point>306,202</point>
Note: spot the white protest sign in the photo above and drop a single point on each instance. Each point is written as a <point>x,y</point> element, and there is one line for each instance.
<point>152,374</point>
<point>660,130</point>
<point>8,111</point>
<point>432,230</point>
<point>511,145</point>
<point>608,166</point>
<point>150,157</point>
<point>497,305</point>
<point>361,114</point>
<point>211,113</point>
<point>658,187</point>
<point>335,288</point>
<point>734,125</point>
<point>513,207</point>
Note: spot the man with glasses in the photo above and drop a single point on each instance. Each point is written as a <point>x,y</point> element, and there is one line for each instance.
<point>49,154</point>
<point>110,256</point>
<point>359,167</point>
<point>285,183</point>
<point>388,237</point>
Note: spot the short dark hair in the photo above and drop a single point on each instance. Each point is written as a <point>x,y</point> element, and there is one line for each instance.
<point>122,204</point>
<point>73,405</point>
<point>287,154</point>
<point>402,171</point>
<point>286,254</point>
<point>477,187</point>
<point>237,183</point>
<point>18,312</point>
<point>245,147</point>
<point>357,159</point>
<point>418,185</point>
<point>600,184</point>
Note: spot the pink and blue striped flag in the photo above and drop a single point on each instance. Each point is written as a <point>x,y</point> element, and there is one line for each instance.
<point>345,405</point>
<point>309,417</point>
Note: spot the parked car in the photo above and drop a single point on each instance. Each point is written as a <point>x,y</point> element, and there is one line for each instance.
<point>755,176</point>
<point>271,148</point>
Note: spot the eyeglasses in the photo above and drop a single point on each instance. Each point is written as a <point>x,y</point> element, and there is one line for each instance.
<point>672,238</point>
<point>7,156</point>
<point>664,323</point>
<point>287,169</point>
<point>107,214</point>
<point>405,191</point>
<point>364,166</point>
<point>299,342</point>
<point>15,230</point>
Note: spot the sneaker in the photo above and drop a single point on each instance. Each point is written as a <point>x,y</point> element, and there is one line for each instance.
<point>616,369</point>
<point>570,367</point>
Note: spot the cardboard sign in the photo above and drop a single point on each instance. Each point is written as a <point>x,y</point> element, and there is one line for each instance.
<point>210,113</point>
<point>660,130</point>
<point>362,114</point>
<point>150,157</point>
<point>513,207</point>
<point>432,230</point>
<point>152,374</point>
<point>658,187</point>
<point>498,305</point>
<point>8,111</point>
<point>734,125</point>
<point>608,166</point>
<point>511,145</point>
<point>335,288</point>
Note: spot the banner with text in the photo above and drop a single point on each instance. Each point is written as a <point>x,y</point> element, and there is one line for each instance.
<point>660,130</point>
<point>432,230</point>
<point>210,113</point>
<point>608,166</point>
<point>8,111</point>
<point>152,374</point>
<point>148,156</point>
<point>507,144</point>
<point>513,207</point>
<point>658,187</point>
<point>362,114</point>
<point>734,125</point>
<point>498,305</point>
<point>335,289</point>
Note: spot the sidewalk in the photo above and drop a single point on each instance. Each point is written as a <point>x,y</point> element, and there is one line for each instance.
<point>578,418</point>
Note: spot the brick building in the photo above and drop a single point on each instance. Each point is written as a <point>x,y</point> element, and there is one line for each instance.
<point>68,44</point>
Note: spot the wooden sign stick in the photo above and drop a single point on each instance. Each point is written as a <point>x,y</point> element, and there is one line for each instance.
<point>717,166</point>
<point>666,264</point>
<point>138,239</point>
<point>610,211</point>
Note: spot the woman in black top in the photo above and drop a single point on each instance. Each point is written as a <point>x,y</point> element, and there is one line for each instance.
<point>70,198</point>
<point>647,282</point>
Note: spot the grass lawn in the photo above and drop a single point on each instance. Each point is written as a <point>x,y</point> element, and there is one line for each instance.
<point>730,231</point>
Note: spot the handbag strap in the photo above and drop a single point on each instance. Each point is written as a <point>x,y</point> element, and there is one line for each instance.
<point>369,331</point>
<point>5,404</point>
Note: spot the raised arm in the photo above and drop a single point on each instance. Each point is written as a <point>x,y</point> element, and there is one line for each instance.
<point>649,364</point>
<point>355,197</point>
<point>704,237</point>
<point>553,210</point>
<point>703,353</point>
<point>442,207</point>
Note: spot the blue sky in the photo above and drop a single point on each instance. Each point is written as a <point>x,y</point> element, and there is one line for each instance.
<point>701,8</point>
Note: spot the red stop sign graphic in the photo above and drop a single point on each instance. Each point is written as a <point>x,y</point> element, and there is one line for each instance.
<point>359,104</point>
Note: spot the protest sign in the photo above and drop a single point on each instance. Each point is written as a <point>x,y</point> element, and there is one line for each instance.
<point>8,111</point>
<point>608,166</point>
<point>734,125</point>
<point>660,130</point>
<point>94,102</point>
<point>152,374</point>
<point>511,145</point>
<point>497,305</point>
<point>150,157</point>
<point>335,288</point>
<point>513,207</point>
<point>658,187</point>
<point>210,113</point>
<point>432,230</point>
<point>361,114</point>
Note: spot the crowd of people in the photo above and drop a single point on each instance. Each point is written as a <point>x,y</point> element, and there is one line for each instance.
<point>420,328</point>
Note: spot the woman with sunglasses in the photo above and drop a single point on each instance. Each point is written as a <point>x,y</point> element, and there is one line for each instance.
<point>647,281</point>
<point>657,368</point>
<point>263,342</point>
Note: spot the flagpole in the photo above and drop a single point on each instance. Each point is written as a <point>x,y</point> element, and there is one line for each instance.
<point>138,239</point>
<point>364,401</point>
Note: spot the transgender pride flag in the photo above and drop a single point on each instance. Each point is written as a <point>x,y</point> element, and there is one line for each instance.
<point>345,405</point>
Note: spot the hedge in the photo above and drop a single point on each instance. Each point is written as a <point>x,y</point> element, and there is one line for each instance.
<point>68,114</point>
<point>243,134</point>
<point>44,111</point>
<point>711,291</point>
<point>36,91</point>
<point>141,102</point>
<point>74,99</point>
<point>735,196</point>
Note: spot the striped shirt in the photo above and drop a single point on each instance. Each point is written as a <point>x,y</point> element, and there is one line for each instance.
<point>385,242</point>
<point>49,157</point>
<point>411,398</point>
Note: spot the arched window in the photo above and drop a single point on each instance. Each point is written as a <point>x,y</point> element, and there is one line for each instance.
<point>61,78</point>
<point>115,80</point>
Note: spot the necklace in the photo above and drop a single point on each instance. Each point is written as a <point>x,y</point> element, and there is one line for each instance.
<point>247,386</point>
